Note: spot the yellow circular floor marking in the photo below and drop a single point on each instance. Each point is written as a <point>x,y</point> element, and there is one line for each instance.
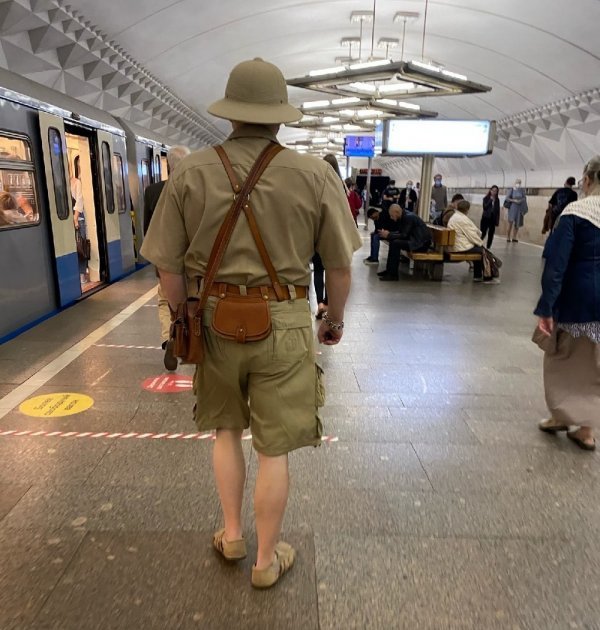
<point>56,405</point>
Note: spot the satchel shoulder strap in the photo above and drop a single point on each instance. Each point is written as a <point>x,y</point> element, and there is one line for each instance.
<point>253,225</point>
<point>239,199</point>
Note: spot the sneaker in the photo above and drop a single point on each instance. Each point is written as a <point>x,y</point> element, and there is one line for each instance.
<point>370,261</point>
<point>284,561</point>
<point>170,360</point>
<point>477,279</point>
<point>389,278</point>
<point>492,281</point>
<point>382,273</point>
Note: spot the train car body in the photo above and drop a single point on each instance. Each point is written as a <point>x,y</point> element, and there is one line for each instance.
<point>66,213</point>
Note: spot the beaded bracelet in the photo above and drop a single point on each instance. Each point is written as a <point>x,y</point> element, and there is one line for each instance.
<point>333,325</point>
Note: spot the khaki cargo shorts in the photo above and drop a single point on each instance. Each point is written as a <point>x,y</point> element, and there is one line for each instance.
<point>274,386</point>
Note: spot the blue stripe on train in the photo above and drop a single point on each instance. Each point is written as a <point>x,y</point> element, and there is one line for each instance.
<point>67,270</point>
<point>115,261</point>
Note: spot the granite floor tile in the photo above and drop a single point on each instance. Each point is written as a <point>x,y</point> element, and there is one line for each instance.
<point>32,562</point>
<point>408,583</point>
<point>159,580</point>
<point>10,495</point>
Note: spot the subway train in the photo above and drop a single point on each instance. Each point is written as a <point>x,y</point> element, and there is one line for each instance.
<point>72,180</point>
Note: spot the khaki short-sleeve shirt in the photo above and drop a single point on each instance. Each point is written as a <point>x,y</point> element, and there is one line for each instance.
<point>299,204</point>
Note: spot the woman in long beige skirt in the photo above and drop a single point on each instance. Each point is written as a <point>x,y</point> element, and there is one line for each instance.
<point>569,317</point>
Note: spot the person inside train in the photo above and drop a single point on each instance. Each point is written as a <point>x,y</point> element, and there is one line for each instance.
<point>79,219</point>
<point>151,197</point>
<point>409,234</point>
<point>14,211</point>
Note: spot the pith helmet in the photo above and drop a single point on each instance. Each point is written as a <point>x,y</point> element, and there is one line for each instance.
<point>256,93</point>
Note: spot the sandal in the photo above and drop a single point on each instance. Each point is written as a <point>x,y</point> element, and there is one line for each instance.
<point>582,443</point>
<point>551,426</point>
<point>284,561</point>
<point>231,550</point>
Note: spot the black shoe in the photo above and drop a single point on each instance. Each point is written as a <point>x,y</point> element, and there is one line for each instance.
<point>382,273</point>
<point>170,359</point>
<point>370,261</point>
<point>389,278</point>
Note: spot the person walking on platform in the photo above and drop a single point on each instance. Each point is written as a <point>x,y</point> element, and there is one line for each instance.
<point>151,197</point>
<point>390,196</point>
<point>561,198</point>
<point>251,271</point>
<point>490,217</point>
<point>516,202</point>
<point>569,317</point>
<point>439,194</point>
<point>408,197</point>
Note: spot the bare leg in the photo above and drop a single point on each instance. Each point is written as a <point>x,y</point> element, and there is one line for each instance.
<point>510,227</point>
<point>516,232</point>
<point>270,499</point>
<point>230,474</point>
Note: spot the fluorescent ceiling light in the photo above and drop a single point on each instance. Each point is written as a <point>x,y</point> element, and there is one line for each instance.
<point>347,112</point>
<point>369,88</point>
<point>352,128</point>
<point>409,105</point>
<point>315,104</point>
<point>319,140</point>
<point>345,101</point>
<point>349,41</point>
<point>396,87</point>
<point>365,113</point>
<point>325,71</point>
<point>337,127</point>
<point>338,140</point>
<point>361,16</point>
<point>370,64</point>
<point>330,119</point>
<point>406,15</point>
<point>454,75</point>
<point>307,118</point>
<point>426,66</point>
<point>389,42</point>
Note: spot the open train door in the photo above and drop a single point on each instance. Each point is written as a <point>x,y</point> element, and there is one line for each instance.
<point>61,213</point>
<point>110,205</point>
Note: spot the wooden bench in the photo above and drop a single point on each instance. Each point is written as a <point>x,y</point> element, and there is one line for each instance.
<point>431,263</point>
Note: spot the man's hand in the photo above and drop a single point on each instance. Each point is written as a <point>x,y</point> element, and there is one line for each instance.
<point>546,325</point>
<point>327,336</point>
<point>384,233</point>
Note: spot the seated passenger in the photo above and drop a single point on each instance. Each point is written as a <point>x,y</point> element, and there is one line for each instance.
<point>468,237</point>
<point>380,218</point>
<point>445,216</point>
<point>409,234</point>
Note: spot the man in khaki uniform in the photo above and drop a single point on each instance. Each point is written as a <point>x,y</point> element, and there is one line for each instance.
<point>272,386</point>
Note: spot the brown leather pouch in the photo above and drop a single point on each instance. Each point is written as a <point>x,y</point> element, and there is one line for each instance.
<point>186,333</point>
<point>242,318</point>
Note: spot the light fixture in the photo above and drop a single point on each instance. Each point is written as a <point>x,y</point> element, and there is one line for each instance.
<point>349,41</point>
<point>361,16</point>
<point>315,104</point>
<point>411,79</point>
<point>406,16</point>
<point>349,100</point>
<point>388,42</point>
<point>318,73</point>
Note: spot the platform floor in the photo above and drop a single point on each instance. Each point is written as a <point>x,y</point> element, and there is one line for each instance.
<point>438,504</point>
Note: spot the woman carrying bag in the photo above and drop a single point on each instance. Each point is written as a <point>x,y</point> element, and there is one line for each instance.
<point>516,202</point>
<point>569,317</point>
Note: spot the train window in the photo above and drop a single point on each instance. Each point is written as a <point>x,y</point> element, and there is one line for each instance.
<point>119,182</point>
<point>14,149</point>
<point>145,174</point>
<point>108,181</point>
<point>57,163</point>
<point>156,168</point>
<point>18,206</point>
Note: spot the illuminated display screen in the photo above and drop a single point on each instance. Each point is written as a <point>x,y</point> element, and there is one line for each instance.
<point>438,137</point>
<point>359,146</point>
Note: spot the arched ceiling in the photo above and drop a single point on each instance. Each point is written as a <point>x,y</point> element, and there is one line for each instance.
<point>531,52</point>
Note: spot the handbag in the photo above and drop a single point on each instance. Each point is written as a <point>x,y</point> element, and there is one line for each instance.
<point>244,319</point>
<point>507,203</point>
<point>491,264</point>
<point>83,245</point>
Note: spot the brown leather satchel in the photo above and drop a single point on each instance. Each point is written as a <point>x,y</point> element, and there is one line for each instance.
<point>239,318</point>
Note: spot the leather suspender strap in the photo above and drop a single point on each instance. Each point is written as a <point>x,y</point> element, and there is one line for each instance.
<point>252,224</point>
<point>224,235</point>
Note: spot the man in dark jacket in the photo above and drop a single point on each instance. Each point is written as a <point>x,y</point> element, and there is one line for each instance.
<point>151,197</point>
<point>408,197</point>
<point>410,234</point>
<point>561,198</point>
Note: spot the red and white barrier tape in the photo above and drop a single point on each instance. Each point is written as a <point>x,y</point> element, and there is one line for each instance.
<point>117,345</point>
<point>328,439</point>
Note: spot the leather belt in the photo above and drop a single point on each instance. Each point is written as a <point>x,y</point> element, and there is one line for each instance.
<point>221,289</point>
